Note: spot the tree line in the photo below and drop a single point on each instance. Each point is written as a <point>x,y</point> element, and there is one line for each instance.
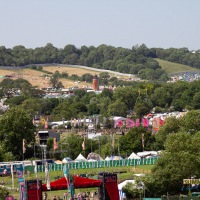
<point>139,97</point>
<point>139,60</point>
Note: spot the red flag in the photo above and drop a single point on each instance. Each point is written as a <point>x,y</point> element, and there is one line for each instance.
<point>161,122</point>
<point>119,123</point>
<point>145,122</point>
<point>55,145</point>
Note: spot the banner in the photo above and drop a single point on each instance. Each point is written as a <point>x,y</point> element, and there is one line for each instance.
<point>99,164</point>
<point>129,123</point>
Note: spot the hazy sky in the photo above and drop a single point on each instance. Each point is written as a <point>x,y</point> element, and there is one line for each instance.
<point>125,23</point>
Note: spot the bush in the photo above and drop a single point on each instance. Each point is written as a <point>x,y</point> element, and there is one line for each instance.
<point>3,192</point>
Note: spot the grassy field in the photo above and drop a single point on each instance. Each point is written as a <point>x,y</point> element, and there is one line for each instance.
<point>37,78</point>
<point>123,174</point>
<point>171,67</point>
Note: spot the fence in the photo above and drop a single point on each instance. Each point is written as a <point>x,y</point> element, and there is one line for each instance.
<point>99,164</point>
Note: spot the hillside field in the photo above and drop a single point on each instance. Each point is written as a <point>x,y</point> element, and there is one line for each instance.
<point>37,78</point>
<point>41,79</point>
<point>172,68</point>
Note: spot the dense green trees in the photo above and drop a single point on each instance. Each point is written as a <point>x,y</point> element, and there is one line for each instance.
<point>16,125</point>
<point>179,161</point>
<point>138,60</point>
<point>180,139</point>
<point>103,57</point>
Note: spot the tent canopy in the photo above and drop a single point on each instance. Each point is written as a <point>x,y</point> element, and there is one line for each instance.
<point>58,162</point>
<point>79,182</point>
<point>107,158</point>
<point>134,156</point>
<point>116,158</point>
<point>147,153</point>
<point>94,156</point>
<point>66,160</point>
<point>81,158</point>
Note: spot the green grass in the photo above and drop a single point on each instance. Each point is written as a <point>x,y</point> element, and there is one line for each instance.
<point>123,174</point>
<point>171,67</point>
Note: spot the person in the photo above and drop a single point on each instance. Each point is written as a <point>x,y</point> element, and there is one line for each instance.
<point>54,198</point>
<point>45,196</point>
<point>65,195</point>
<point>4,172</point>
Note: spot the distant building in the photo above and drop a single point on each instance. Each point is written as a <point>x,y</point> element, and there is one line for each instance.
<point>95,83</point>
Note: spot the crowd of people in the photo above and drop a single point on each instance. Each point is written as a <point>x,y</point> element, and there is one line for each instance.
<point>79,196</point>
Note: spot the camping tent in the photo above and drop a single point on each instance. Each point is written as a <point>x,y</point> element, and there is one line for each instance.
<point>66,160</point>
<point>80,158</point>
<point>94,156</point>
<point>134,156</point>
<point>116,158</point>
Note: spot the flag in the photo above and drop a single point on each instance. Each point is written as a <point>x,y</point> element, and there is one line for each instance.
<point>79,122</point>
<point>36,174</point>
<point>156,124</point>
<point>46,124</point>
<point>119,123</point>
<point>47,177</point>
<point>12,174</point>
<point>115,123</point>
<point>143,141</point>
<point>23,146</point>
<point>161,122</point>
<point>75,122</point>
<point>145,122</point>
<point>97,120</point>
<point>113,140</point>
<point>137,122</point>
<point>83,144</point>
<point>55,145</point>
<point>129,123</point>
<point>67,177</point>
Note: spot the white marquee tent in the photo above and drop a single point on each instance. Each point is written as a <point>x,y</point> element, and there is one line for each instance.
<point>80,158</point>
<point>134,156</point>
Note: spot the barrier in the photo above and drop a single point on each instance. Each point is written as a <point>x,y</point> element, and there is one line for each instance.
<point>99,164</point>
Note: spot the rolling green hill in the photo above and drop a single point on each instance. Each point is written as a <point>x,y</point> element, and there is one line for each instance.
<point>171,67</point>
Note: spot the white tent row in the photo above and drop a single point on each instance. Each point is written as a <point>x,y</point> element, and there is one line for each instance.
<point>144,154</point>
<point>92,157</point>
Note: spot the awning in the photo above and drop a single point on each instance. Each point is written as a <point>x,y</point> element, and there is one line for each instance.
<point>79,182</point>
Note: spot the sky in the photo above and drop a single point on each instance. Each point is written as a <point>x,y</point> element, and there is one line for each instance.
<point>119,23</point>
